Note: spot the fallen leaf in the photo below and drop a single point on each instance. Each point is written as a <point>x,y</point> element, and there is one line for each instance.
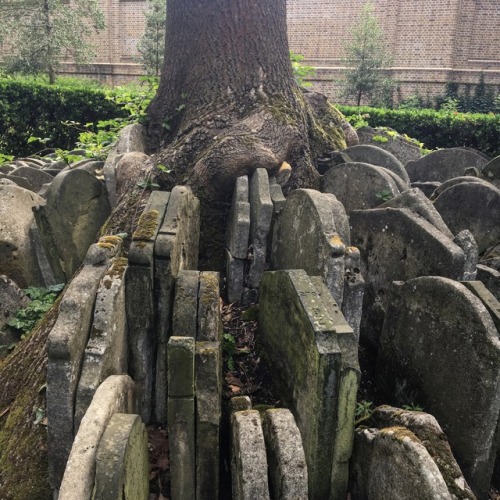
<point>235,388</point>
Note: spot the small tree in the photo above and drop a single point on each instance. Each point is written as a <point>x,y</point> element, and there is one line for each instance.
<point>365,58</point>
<point>41,33</point>
<point>151,46</point>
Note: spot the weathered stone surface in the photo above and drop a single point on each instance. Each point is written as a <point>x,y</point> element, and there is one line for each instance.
<point>122,465</point>
<point>359,185</point>
<point>491,278</point>
<point>261,212</point>
<point>367,153</point>
<point>140,300</point>
<point>209,317</point>
<point>286,459</point>
<point>90,165</point>
<point>36,177</point>
<point>240,403</point>
<point>20,181</point>
<point>132,138</point>
<point>397,244</point>
<point>132,166</point>
<point>402,149</point>
<point>456,180</point>
<point>354,290</point>
<point>492,169</point>
<point>444,164</point>
<point>312,233</point>
<point>181,416</point>
<point>11,299</point>
<point>417,202</point>
<point>238,227</point>
<point>176,249</point>
<point>47,275</point>
<point>208,385</point>
<point>473,206</point>
<point>467,243</point>
<point>440,348</point>
<point>248,457</point>
<point>487,298</point>
<point>309,345</point>
<point>114,395</point>
<point>17,258</point>
<point>393,463</point>
<point>426,428</point>
<point>76,208</point>
<point>65,348</point>
<point>426,187</point>
<point>185,315</point>
<point>106,352</point>
<point>234,278</point>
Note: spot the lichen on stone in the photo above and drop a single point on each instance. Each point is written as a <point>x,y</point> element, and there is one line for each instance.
<point>146,226</point>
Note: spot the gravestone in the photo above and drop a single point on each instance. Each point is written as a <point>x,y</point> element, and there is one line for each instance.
<point>366,153</point>
<point>360,186</point>
<point>106,351</point>
<point>440,349</point>
<point>285,455</point>
<point>122,465</point>
<point>473,206</point>
<point>141,301</point>
<point>313,357</point>
<point>11,299</point>
<point>76,208</point>
<point>181,416</point>
<point>444,164</point>
<point>175,249</point>
<point>312,233</point>
<point>427,430</point>
<point>114,395</point>
<point>36,177</point>
<point>491,278</point>
<point>17,258</point>
<point>456,180</point>
<point>65,348</point>
<point>393,463</point>
<point>248,457</point>
<point>397,244</point>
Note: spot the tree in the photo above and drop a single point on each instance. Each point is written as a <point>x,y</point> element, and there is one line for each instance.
<point>151,46</point>
<point>366,56</point>
<point>41,33</point>
<point>228,103</point>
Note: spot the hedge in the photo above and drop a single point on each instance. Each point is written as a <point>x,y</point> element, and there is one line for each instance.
<point>437,129</point>
<point>32,108</point>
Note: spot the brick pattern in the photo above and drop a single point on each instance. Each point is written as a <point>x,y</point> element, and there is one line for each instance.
<point>431,41</point>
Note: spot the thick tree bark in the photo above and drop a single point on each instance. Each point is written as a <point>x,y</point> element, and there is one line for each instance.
<point>227,102</point>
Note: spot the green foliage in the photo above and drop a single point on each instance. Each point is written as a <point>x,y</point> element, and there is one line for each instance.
<point>364,410</point>
<point>151,46</point>
<point>301,72</point>
<point>438,129</point>
<point>412,407</point>
<point>365,58</point>
<point>358,120</point>
<point>41,301</point>
<point>380,138</point>
<point>40,34</point>
<point>384,195</point>
<point>229,349</point>
<point>33,108</point>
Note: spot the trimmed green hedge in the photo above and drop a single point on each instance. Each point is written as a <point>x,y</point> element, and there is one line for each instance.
<point>32,108</point>
<point>437,129</point>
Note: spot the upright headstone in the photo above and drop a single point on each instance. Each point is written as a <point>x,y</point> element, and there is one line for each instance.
<point>176,249</point>
<point>65,348</point>
<point>313,354</point>
<point>140,300</point>
<point>440,348</point>
<point>77,206</point>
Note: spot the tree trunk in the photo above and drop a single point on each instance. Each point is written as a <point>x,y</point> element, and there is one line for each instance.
<point>227,101</point>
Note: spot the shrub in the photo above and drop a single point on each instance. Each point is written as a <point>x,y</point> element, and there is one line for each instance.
<point>437,129</point>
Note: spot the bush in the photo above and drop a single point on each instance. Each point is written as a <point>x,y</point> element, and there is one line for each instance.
<point>437,129</point>
<point>31,107</point>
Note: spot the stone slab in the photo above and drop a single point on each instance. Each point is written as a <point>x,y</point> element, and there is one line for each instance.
<point>122,464</point>
<point>491,278</point>
<point>312,233</point>
<point>36,177</point>
<point>238,228</point>
<point>209,326</point>
<point>65,348</point>
<point>185,313</point>
<point>285,454</point>
<point>445,358</point>
<point>248,457</point>
<point>106,351</point>
<point>208,389</point>
<point>180,364</point>
<point>114,395</point>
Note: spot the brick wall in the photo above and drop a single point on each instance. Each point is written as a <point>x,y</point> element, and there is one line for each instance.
<point>431,41</point>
